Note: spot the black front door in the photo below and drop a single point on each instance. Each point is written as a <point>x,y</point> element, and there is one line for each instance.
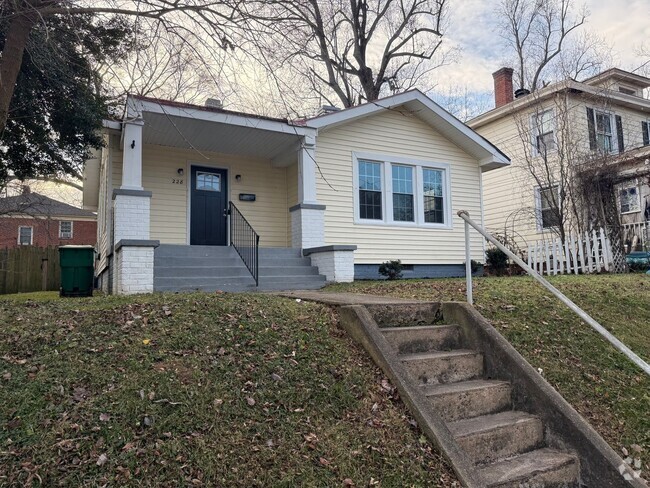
<point>209,204</point>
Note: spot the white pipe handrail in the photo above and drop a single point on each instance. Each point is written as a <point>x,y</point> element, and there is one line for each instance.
<point>463,214</point>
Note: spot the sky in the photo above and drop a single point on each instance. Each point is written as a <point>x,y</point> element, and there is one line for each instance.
<point>624,23</point>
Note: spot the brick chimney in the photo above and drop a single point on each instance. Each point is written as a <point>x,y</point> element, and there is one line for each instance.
<point>503,92</point>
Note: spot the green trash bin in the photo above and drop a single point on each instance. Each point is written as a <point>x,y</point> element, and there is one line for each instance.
<point>77,270</point>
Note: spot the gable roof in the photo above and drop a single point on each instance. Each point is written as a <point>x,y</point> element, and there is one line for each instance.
<point>489,156</point>
<point>35,204</point>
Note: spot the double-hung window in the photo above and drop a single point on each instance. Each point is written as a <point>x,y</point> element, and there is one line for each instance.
<point>629,199</point>
<point>403,203</point>
<point>605,131</point>
<point>25,236</point>
<point>432,192</point>
<point>548,207</point>
<point>399,191</point>
<point>65,229</point>
<point>543,132</point>
<point>370,190</point>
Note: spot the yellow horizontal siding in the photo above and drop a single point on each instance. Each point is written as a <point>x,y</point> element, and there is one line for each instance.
<point>268,214</point>
<point>393,134</point>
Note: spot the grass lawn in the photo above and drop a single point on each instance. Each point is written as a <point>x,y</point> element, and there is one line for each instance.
<point>197,390</point>
<point>607,389</point>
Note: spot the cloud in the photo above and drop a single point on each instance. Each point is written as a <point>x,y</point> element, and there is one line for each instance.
<point>473,28</point>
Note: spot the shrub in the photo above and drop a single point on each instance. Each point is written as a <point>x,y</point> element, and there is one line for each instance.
<point>497,260</point>
<point>391,269</point>
<point>474,266</point>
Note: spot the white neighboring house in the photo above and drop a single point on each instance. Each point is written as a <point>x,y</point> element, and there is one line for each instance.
<point>350,189</point>
<point>599,123</point>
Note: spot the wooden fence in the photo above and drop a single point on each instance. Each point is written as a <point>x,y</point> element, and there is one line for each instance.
<point>27,268</point>
<point>588,253</point>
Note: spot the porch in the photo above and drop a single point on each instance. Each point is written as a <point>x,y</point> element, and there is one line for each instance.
<point>177,174</point>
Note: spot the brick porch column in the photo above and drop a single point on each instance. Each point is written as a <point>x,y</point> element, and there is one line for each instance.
<point>132,248</point>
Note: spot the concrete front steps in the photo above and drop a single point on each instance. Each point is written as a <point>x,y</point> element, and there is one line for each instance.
<point>212,268</point>
<point>498,422</point>
<point>503,442</point>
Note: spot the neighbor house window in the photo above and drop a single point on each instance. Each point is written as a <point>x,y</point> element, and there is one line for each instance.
<point>25,236</point>
<point>403,205</point>
<point>432,192</point>
<point>629,198</point>
<point>548,205</point>
<point>543,132</point>
<point>605,131</point>
<point>65,229</point>
<point>398,191</point>
<point>645,132</point>
<point>370,189</point>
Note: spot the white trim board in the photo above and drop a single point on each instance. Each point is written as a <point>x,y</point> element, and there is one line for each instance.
<point>387,188</point>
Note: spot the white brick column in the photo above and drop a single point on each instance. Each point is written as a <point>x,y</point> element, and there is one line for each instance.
<point>133,250</point>
<point>335,262</point>
<point>307,225</point>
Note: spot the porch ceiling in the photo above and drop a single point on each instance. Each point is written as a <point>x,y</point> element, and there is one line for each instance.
<point>189,133</point>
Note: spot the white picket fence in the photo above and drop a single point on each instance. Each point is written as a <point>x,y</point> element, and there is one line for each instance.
<point>588,253</point>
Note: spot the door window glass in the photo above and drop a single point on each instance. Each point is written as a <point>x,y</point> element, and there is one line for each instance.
<point>208,181</point>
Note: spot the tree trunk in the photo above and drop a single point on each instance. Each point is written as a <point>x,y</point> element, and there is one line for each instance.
<point>11,61</point>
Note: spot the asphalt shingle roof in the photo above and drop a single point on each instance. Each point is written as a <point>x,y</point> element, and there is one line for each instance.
<point>36,204</point>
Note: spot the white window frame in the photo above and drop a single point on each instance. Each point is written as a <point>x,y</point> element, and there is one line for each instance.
<point>387,161</point>
<point>31,235</point>
<point>61,236</point>
<point>612,126</point>
<point>535,131</point>
<point>647,121</point>
<point>628,186</point>
<point>538,205</point>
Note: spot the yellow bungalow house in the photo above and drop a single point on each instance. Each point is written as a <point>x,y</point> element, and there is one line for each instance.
<point>198,197</point>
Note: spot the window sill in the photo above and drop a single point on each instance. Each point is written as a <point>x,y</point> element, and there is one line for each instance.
<point>407,225</point>
<point>631,212</point>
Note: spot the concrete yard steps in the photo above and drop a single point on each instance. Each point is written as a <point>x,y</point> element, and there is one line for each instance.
<point>212,268</point>
<point>444,366</point>
<point>492,437</point>
<point>468,399</point>
<point>542,467</point>
<point>422,338</point>
<point>508,446</point>
<point>499,424</point>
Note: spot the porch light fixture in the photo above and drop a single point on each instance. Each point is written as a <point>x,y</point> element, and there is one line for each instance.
<point>238,177</point>
<point>180,171</point>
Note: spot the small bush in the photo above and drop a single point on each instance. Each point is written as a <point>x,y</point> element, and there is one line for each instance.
<point>392,270</point>
<point>497,260</point>
<point>474,266</point>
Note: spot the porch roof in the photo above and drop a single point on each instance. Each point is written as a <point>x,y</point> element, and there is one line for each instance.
<point>189,126</point>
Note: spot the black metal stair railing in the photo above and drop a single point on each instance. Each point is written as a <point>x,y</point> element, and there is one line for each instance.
<point>245,241</point>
